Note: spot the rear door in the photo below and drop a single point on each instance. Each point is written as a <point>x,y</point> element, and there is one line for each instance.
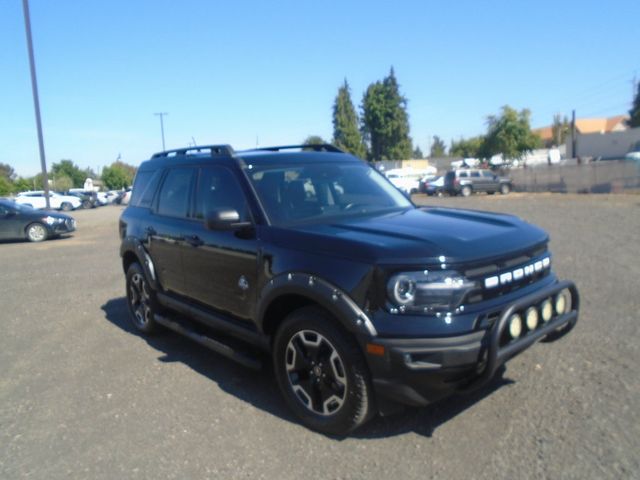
<point>166,227</point>
<point>220,267</point>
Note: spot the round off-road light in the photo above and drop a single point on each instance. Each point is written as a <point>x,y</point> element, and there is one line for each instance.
<point>515,325</point>
<point>563,302</point>
<point>546,310</point>
<point>531,318</point>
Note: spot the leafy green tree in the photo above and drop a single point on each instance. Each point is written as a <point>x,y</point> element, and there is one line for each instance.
<point>346,134</point>
<point>7,171</point>
<point>314,140</point>
<point>62,183</point>
<point>6,187</point>
<point>559,129</point>
<point>22,184</point>
<point>467,148</point>
<point>634,113</point>
<point>438,148</point>
<point>69,169</point>
<point>510,134</point>
<point>118,175</point>
<point>385,122</point>
<point>417,153</point>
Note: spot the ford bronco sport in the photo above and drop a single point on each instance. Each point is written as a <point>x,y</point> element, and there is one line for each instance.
<point>362,300</point>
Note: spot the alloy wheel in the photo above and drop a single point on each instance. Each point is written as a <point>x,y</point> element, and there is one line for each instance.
<point>139,300</point>
<point>316,372</point>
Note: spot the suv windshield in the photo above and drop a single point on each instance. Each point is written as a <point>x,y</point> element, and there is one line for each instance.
<point>298,193</point>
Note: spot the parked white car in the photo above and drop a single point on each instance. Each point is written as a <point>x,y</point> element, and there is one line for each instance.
<point>407,179</point>
<point>36,199</point>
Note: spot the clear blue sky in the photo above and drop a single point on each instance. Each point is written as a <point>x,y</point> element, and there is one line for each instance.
<point>228,72</point>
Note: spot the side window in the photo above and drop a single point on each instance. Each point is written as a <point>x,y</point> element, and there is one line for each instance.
<point>144,188</point>
<point>174,194</point>
<point>487,174</point>
<point>475,174</point>
<point>219,188</point>
<point>463,175</point>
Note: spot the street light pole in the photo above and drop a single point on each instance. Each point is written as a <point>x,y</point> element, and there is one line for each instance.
<point>36,101</point>
<point>162,114</point>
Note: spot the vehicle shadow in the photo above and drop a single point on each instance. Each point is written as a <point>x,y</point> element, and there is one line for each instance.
<point>259,388</point>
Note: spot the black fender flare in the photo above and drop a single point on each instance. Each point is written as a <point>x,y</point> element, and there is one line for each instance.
<point>135,246</point>
<point>336,301</point>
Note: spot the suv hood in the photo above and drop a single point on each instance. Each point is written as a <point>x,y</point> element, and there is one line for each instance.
<point>418,236</point>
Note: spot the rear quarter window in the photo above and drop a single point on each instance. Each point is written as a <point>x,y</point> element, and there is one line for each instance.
<point>144,187</point>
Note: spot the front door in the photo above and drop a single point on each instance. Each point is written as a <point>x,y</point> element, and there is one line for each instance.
<point>165,229</point>
<point>220,267</point>
<point>10,223</point>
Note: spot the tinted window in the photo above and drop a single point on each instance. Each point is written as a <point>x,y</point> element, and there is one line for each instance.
<point>475,174</point>
<point>463,175</point>
<point>219,188</point>
<point>174,195</point>
<point>487,174</point>
<point>144,188</point>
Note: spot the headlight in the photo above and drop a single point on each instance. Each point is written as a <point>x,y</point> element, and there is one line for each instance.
<point>428,291</point>
<point>50,220</point>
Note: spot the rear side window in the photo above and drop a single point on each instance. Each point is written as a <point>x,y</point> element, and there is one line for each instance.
<point>144,188</point>
<point>475,174</point>
<point>173,200</point>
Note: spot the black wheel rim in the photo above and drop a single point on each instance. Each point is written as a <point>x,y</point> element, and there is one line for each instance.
<point>139,300</point>
<point>316,373</point>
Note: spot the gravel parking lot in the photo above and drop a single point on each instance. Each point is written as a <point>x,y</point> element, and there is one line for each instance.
<point>83,396</point>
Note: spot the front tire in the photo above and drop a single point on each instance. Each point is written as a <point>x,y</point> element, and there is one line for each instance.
<point>466,191</point>
<point>36,232</point>
<point>321,372</point>
<point>141,300</point>
<point>505,189</point>
<point>66,206</point>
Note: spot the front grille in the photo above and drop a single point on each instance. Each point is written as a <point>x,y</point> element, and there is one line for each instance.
<point>502,272</point>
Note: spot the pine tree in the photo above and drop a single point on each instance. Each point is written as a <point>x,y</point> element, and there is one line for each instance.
<point>385,122</point>
<point>634,113</point>
<point>438,147</point>
<point>346,134</point>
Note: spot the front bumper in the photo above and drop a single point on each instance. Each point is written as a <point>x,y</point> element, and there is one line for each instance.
<point>419,371</point>
<point>61,228</point>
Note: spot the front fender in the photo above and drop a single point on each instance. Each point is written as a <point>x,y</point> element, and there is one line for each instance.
<point>320,291</point>
<point>133,246</point>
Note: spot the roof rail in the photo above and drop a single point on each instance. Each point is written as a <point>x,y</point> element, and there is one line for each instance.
<point>214,150</point>
<point>316,147</point>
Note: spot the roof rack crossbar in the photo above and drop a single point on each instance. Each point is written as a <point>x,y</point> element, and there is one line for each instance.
<point>316,147</point>
<point>215,151</point>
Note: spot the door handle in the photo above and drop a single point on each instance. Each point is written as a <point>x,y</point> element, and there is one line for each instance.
<point>193,240</point>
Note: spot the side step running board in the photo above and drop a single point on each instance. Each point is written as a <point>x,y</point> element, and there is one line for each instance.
<point>217,346</point>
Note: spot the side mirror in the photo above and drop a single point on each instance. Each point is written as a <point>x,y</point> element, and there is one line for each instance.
<point>224,219</point>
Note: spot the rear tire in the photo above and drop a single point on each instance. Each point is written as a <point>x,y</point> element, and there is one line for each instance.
<point>36,232</point>
<point>505,189</point>
<point>141,300</point>
<point>322,373</point>
<point>66,206</point>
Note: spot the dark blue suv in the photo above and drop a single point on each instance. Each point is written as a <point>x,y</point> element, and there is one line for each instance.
<point>362,300</point>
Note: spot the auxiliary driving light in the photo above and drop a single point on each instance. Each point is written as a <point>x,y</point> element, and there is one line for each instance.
<point>546,309</point>
<point>562,302</point>
<point>531,318</point>
<point>515,325</point>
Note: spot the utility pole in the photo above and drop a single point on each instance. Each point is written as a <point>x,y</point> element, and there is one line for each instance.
<point>573,134</point>
<point>36,101</point>
<point>161,115</point>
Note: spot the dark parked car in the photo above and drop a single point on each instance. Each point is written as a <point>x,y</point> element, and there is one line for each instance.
<point>362,300</point>
<point>434,187</point>
<point>89,199</point>
<point>20,222</point>
<point>467,181</point>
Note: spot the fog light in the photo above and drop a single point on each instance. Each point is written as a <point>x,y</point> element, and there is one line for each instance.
<point>563,302</point>
<point>546,309</point>
<point>515,325</point>
<point>531,318</point>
